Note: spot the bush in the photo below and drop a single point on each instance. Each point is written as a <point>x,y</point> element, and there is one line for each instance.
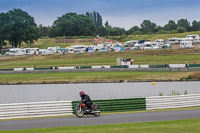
<point>181,30</point>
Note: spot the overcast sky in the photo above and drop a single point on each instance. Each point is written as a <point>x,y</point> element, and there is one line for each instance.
<point>121,13</point>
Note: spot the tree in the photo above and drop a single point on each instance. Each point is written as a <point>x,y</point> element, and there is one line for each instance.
<point>23,28</point>
<point>4,28</point>
<point>195,26</point>
<point>148,27</point>
<point>72,24</point>
<point>96,18</point>
<point>43,31</point>
<point>171,25</point>
<point>133,30</point>
<point>184,23</point>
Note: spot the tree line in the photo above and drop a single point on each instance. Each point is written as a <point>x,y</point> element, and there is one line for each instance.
<point>18,27</point>
<point>182,25</point>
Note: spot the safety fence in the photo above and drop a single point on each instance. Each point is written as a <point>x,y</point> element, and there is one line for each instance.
<point>161,66</point>
<point>167,102</point>
<point>119,105</point>
<point>63,108</point>
<point>35,109</point>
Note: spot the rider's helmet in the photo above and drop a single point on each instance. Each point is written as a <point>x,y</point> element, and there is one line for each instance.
<point>81,93</point>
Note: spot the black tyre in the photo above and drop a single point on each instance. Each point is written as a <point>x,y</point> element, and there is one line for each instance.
<point>96,108</point>
<point>79,112</point>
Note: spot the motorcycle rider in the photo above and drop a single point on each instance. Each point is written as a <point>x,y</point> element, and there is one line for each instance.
<point>86,100</point>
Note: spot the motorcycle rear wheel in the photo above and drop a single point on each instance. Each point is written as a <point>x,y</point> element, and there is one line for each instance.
<point>96,108</point>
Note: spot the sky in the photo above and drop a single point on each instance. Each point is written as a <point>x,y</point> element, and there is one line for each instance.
<point>120,13</point>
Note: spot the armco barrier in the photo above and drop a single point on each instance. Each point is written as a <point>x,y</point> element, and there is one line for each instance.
<point>179,101</point>
<point>122,66</point>
<point>119,105</point>
<point>41,68</point>
<point>35,109</point>
<point>158,66</point>
<point>194,65</point>
<point>6,69</point>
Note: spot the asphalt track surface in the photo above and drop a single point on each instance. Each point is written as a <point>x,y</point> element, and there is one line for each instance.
<point>103,119</point>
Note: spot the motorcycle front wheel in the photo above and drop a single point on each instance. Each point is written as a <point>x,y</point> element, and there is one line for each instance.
<point>79,112</point>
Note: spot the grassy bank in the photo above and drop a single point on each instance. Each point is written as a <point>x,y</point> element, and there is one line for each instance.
<point>74,77</point>
<point>176,126</point>
<point>93,59</point>
<point>153,37</point>
<point>69,41</point>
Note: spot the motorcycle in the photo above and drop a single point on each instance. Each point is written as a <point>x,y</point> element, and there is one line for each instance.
<point>81,110</point>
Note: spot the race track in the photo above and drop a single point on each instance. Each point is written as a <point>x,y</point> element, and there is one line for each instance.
<point>103,119</point>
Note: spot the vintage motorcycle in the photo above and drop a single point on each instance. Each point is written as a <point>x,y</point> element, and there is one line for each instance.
<point>81,110</point>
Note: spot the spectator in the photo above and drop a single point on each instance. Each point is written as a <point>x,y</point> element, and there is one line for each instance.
<point>24,68</point>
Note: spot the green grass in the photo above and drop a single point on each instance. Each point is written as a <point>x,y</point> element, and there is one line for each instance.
<point>176,126</point>
<point>153,37</point>
<point>91,77</point>
<point>44,43</point>
<point>93,59</point>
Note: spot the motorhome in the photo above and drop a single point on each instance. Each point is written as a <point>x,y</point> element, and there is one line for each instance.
<point>186,44</point>
<point>195,37</point>
<point>46,52</point>
<point>80,48</point>
<point>53,49</point>
<point>32,51</point>
<point>173,40</point>
<point>147,46</point>
<point>159,41</point>
<point>17,51</point>
<point>130,43</point>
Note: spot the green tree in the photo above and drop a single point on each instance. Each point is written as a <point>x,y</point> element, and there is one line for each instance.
<point>195,26</point>
<point>5,29</point>
<point>23,28</point>
<point>171,25</point>
<point>133,30</point>
<point>184,23</point>
<point>148,27</point>
<point>96,18</point>
<point>43,31</point>
<point>72,24</point>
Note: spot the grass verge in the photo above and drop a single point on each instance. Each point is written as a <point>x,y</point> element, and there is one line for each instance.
<point>88,77</point>
<point>93,59</point>
<point>176,126</point>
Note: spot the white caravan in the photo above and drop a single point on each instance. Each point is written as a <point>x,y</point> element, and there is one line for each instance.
<point>32,51</point>
<point>131,43</point>
<point>173,40</point>
<point>17,51</point>
<point>79,48</point>
<point>53,49</point>
<point>147,46</point>
<point>195,37</point>
<point>186,44</point>
<point>159,41</point>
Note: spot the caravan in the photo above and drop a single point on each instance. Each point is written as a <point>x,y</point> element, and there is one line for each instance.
<point>186,44</point>
<point>80,48</point>
<point>195,38</point>
<point>32,51</point>
<point>17,51</point>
